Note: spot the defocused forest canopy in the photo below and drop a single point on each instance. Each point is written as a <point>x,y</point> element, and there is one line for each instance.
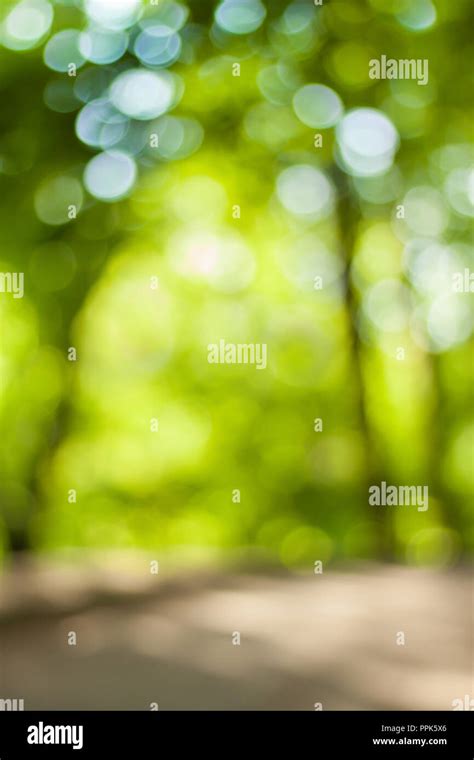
<point>173,174</point>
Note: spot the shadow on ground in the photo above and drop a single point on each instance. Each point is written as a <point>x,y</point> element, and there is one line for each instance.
<point>306,639</point>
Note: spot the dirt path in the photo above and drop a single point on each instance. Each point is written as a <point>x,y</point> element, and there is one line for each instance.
<point>143,639</point>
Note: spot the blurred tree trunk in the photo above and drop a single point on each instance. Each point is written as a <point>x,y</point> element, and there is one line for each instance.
<point>441,424</point>
<point>349,219</point>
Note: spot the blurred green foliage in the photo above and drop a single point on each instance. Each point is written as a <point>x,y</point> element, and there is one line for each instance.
<point>246,276</point>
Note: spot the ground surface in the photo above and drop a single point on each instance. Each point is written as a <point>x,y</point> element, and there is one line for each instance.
<point>329,638</point>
